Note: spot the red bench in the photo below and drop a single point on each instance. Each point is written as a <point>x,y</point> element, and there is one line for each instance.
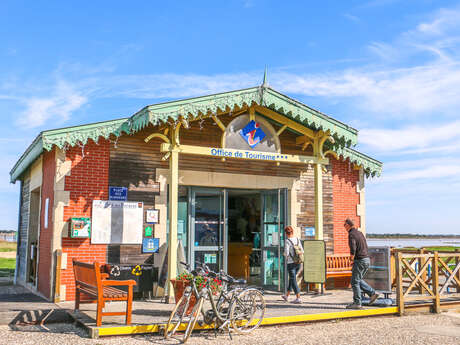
<point>338,265</point>
<point>90,281</point>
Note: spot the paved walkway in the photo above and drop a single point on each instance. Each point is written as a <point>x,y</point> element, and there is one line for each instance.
<point>20,306</point>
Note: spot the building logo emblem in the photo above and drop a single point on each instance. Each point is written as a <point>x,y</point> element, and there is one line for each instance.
<point>252,133</point>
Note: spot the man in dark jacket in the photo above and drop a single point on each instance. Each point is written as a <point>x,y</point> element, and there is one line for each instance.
<point>358,248</point>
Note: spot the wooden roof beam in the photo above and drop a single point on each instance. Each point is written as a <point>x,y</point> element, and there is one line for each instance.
<point>285,121</point>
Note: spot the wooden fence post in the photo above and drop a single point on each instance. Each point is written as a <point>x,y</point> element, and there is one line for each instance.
<point>457,260</point>
<point>399,284</point>
<point>421,262</point>
<point>435,275</point>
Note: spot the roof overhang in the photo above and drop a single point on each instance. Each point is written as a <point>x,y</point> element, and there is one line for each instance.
<point>194,109</point>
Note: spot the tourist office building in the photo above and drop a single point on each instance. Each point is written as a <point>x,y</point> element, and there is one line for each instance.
<point>213,179</point>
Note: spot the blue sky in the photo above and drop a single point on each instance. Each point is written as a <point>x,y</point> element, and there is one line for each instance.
<point>389,68</point>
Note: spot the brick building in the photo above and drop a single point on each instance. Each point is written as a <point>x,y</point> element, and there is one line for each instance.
<point>226,172</point>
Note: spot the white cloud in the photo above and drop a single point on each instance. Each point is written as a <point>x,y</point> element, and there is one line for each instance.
<point>444,20</point>
<point>427,136</point>
<point>58,106</point>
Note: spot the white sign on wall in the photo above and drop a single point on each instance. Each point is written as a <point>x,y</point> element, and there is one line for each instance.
<point>117,222</point>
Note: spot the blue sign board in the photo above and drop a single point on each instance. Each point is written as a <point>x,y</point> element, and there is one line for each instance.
<point>309,231</point>
<point>150,245</point>
<point>118,193</point>
<point>252,133</point>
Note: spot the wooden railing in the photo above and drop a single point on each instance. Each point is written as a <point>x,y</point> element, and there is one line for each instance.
<point>416,282</point>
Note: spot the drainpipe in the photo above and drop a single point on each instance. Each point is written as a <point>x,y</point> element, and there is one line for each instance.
<point>18,238</point>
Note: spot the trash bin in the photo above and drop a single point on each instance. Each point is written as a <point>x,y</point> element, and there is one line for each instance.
<point>144,275</point>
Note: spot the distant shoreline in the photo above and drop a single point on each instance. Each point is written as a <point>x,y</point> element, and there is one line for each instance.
<point>410,236</point>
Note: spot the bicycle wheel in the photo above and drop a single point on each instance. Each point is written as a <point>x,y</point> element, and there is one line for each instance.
<point>178,315</point>
<point>247,311</point>
<point>196,311</point>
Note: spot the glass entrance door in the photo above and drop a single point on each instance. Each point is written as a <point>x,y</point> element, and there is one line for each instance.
<point>273,221</point>
<point>208,235</point>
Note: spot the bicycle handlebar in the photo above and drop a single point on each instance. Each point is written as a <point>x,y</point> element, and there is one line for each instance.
<point>204,269</point>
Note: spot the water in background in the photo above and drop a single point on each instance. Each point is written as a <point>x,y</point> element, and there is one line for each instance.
<point>413,242</point>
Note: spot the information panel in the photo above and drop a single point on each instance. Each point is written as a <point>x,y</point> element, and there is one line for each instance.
<point>314,268</point>
<point>379,274</point>
<point>117,222</point>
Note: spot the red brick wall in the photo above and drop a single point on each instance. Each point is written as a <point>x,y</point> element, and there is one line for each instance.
<point>46,235</point>
<point>88,181</point>
<point>345,200</point>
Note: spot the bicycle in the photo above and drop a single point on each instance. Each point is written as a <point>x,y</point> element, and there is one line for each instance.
<point>237,308</point>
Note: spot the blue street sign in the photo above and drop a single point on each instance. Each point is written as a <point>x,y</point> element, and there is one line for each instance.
<point>309,231</point>
<point>118,193</point>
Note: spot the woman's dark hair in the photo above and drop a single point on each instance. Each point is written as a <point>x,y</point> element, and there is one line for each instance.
<point>288,230</point>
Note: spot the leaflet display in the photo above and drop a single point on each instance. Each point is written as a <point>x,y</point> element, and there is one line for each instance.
<point>117,222</point>
<point>379,274</point>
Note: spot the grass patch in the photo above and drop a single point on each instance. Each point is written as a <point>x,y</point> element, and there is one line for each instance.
<point>7,267</point>
<point>443,248</point>
<point>7,246</point>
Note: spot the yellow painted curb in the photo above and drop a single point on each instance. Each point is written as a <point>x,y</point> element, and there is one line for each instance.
<point>278,320</point>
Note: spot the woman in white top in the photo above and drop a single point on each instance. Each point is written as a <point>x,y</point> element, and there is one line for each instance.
<point>292,267</point>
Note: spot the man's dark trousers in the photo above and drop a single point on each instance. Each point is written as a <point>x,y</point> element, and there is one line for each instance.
<point>358,284</point>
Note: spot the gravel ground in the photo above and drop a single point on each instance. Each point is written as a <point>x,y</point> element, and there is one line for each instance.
<point>423,329</point>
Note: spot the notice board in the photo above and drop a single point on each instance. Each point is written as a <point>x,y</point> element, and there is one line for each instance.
<point>117,222</point>
<point>314,265</point>
<point>379,274</point>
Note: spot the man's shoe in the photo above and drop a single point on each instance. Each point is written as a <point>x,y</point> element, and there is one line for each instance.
<point>284,297</point>
<point>373,298</point>
<point>354,306</point>
<point>297,301</point>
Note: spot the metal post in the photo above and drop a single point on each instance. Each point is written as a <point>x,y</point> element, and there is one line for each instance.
<point>18,237</point>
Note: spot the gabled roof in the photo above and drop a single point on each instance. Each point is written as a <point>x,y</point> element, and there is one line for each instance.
<point>192,108</point>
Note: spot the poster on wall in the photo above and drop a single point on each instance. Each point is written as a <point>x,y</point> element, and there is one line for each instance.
<point>80,227</point>
<point>117,222</point>
<point>152,216</point>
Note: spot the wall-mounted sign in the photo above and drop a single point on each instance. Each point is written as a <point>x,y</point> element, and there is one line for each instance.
<point>245,154</point>
<point>309,231</point>
<point>150,245</point>
<point>152,216</point>
<point>117,222</point>
<point>148,231</point>
<point>80,227</point>
<point>252,133</point>
<point>210,258</point>
<point>118,193</point>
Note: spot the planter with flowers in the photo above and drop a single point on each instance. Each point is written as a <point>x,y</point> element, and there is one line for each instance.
<point>185,279</point>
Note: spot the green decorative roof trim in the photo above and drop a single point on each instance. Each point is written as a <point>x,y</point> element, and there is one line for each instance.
<point>72,136</point>
<point>194,108</point>
<point>371,166</point>
<point>63,137</point>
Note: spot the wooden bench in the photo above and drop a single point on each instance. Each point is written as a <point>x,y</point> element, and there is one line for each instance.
<point>91,281</point>
<point>338,265</point>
